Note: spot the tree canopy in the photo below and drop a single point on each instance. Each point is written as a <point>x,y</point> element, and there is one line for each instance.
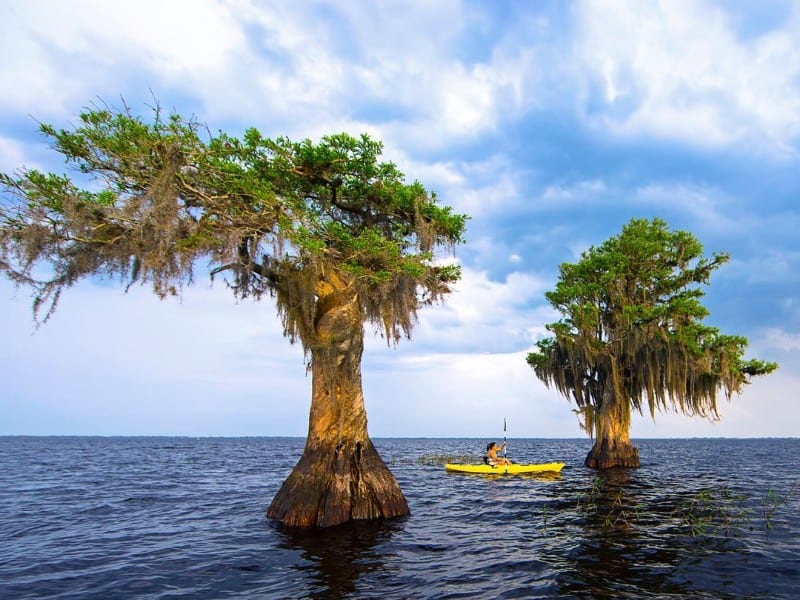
<point>334,234</point>
<point>158,198</point>
<point>632,325</point>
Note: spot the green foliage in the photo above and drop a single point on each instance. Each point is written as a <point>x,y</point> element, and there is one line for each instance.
<point>274,216</point>
<point>631,329</point>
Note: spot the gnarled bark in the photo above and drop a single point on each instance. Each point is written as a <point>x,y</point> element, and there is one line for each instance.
<point>340,476</point>
<point>612,446</point>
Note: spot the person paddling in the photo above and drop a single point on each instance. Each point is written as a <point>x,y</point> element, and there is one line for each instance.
<point>491,454</point>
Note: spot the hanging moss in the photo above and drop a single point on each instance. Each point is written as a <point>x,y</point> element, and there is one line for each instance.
<point>272,216</point>
<point>334,235</point>
<point>631,332</point>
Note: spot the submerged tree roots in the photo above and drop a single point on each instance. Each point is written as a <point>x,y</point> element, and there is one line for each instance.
<point>342,483</point>
<point>606,455</point>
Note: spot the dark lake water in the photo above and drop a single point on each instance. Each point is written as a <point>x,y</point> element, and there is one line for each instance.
<point>184,518</point>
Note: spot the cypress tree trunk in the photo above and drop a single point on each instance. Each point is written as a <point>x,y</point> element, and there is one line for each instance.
<point>612,446</point>
<point>340,476</point>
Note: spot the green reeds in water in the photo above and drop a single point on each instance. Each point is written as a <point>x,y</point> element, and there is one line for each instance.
<point>708,512</point>
<point>441,459</point>
<point>720,511</point>
<point>609,505</point>
<point>774,502</point>
<point>436,459</point>
<point>715,511</point>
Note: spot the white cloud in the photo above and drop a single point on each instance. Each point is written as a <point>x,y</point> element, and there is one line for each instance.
<point>316,73</point>
<point>764,409</point>
<point>12,154</point>
<point>674,70</point>
<point>577,248</point>
<point>434,96</point>
<point>678,70</point>
<point>206,357</point>
<point>706,206</point>
<point>777,338</point>
<point>769,265</point>
<point>464,395</point>
<point>481,316</point>
<point>478,188</point>
<point>468,395</point>
<point>446,97</point>
<point>427,78</point>
<point>580,192</point>
<point>180,360</point>
<point>294,69</point>
<point>207,335</point>
<point>60,55</point>
<point>479,199</point>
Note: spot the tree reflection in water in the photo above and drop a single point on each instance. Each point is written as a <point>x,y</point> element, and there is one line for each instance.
<point>615,548</point>
<point>336,557</point>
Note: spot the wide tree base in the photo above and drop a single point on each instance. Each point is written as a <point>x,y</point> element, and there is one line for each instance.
<point>608,454</point>
<point>331,488</point>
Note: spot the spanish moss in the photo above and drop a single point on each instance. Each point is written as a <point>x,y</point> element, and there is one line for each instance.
<point>632,337</point>
<point>335,236</point>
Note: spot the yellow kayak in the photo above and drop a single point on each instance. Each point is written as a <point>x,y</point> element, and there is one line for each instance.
<point>505,469</point>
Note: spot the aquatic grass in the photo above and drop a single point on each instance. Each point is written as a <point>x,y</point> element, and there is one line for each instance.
<point>589,501</point>
<point>434,459</point>
<point>441,459</point>
<point>395,461</point>
<point>773,502</point>
<point>717,511</point>
<point>720,511</point>
<point>707,512</point>
<point>609,505</point>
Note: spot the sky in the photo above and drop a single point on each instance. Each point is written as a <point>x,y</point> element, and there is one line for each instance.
<point>551,124</point>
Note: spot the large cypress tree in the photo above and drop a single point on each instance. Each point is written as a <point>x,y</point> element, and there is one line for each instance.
<point>631,335</point>
<point>336,236</point>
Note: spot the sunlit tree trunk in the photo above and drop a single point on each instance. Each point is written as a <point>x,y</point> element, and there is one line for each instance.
<point>612,445</point>
<point>340,476</point>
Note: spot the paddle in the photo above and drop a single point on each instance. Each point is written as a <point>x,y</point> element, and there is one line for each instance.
<point>505,442</point>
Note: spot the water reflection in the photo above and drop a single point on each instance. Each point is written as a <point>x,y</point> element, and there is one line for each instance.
<point>615,546</point>
<point>336,557</point>
<point>541,476</point>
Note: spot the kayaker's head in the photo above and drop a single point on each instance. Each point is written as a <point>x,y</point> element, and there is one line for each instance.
<point>491,445</point>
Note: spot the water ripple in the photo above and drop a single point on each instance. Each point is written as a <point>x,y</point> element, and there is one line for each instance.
<point>184,518</point>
